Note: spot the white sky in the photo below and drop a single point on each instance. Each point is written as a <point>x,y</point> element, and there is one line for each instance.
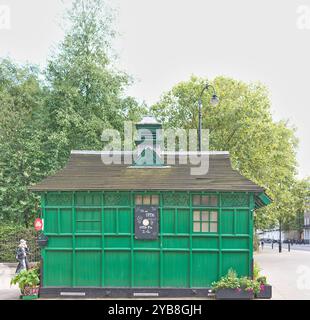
<point>163,42</point>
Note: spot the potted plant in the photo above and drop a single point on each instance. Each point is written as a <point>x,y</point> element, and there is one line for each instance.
<point>28,282</point>
<point>265,291</point>
<point>230,287</point>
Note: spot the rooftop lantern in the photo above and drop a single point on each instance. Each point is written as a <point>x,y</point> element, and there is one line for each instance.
<point>148,142</point>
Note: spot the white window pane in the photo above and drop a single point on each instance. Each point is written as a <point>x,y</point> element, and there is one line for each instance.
<point>213,201</point>
<point>204,216</point>
<point>196,200</point>
<point>213,216</point>
<point>138,199</point>
<point>155,199</point>
<point>196,215</point>
<point>146,200</point>
<point>213,227</point>
<point>205,200</point>
<point>196,226</point>
<point>205,227</point>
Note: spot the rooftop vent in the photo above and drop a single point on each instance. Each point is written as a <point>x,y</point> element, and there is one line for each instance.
<point>148,142</point>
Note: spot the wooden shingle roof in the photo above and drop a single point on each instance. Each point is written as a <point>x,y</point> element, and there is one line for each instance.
<point>86,171</point>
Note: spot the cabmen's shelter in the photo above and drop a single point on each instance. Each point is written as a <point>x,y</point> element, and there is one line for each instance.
<point>145,229</point>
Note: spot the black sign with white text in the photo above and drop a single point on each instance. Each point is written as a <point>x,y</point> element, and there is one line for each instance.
<point>146,222</point>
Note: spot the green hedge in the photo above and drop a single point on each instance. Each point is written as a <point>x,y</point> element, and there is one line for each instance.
<point>9,240</point>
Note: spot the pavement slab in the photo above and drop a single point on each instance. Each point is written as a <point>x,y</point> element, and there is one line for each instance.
<point>287,272</point>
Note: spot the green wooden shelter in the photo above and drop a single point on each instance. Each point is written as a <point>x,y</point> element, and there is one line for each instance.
<point>145,229</point>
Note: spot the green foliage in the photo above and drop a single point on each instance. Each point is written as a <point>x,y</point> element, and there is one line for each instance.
<point>249,285</point>
<point>27,278</point>
<point>261,149</point>
<point>47,114</point>
<point>22,140</point>
<point>9,240</point>
<point>86,90</point>
<point>262,280</point>
<point>256,271</point>
<point>232,281</point>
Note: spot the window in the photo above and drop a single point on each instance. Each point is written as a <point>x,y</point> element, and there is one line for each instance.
<point>147,199</point>
<point>204,221</point>
<point>205,200</point>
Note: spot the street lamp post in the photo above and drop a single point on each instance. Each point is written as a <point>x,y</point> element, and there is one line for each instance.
<point>280,236</point>
<point>214,101</point>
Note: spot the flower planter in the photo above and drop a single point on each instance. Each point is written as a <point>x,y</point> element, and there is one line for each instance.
<point>265,292</point>
<point>30,293</point>
<point>233,294</point>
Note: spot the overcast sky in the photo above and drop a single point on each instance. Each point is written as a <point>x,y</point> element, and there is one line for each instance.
<point>163,42</point>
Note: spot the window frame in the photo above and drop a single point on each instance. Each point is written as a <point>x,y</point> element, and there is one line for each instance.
<point>202,221</point>
<point>151,197</point>
<point>210,202</point>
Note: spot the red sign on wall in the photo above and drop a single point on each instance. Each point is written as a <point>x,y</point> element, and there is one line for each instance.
<point>38,224</point>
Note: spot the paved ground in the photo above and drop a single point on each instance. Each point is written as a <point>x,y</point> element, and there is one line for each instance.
<point>287,272</point>
<point>8,292</point>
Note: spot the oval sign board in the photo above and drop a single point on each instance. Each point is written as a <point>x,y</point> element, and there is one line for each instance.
<point>38,224</point>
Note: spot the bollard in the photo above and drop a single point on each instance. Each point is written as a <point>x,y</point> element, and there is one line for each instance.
<point>289,246</point>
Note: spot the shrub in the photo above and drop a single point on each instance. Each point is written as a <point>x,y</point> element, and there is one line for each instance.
<point>231,281</point>
<point>27,278</point>
<point>9,241</point>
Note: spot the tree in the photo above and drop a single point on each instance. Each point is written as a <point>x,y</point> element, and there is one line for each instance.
<point>22,140</point>
<point>87,92</point>
<point>261,149</point>
<point>45,115</point>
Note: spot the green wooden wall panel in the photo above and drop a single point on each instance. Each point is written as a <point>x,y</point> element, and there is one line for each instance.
<point>146,243</point>
<point>87,242</point>
<point>109,220</point>
<point>176,269</point>
<point>88,198</point>
<point>237,261</point>
<point>58,268</point>
<point>205,242</point>
<point>59,242</point>
<point>117,241</point>
<point>117,271</point>
<point>242,221</point>
<point>183,221</point>
<point>168,221</point>
<point>227,221</point>
<point>235,199</point>
<point>146,269</point>
<point>235,243</point>
<point>178,258</point>
<point>58,198</point>
<point>124,220</point>
<point>51,221</point>
<point>65,220</point>
<point>88,268</point>
<point>88,220</point>
<point>175,242</point>
<point>205,269</point>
